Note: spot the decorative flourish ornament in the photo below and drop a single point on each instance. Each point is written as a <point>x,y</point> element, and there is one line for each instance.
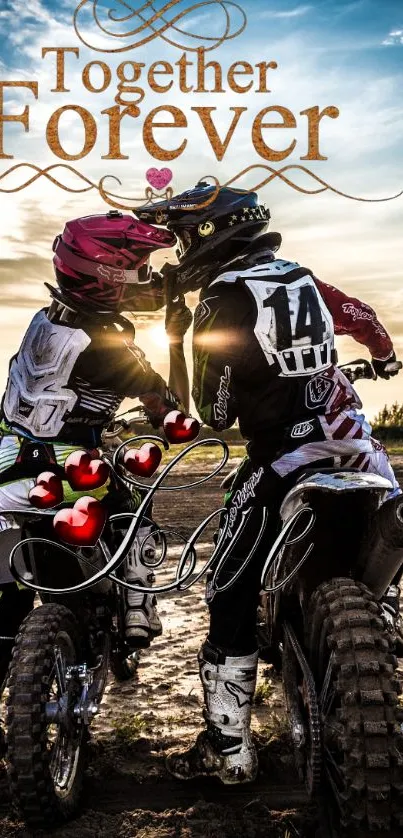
<point>143,23</point>
<point>115,201</point>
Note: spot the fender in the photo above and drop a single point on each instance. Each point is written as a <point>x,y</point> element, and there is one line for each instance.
<point>334,482</point>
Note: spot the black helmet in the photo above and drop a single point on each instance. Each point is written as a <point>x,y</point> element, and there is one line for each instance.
<point>209,236</point>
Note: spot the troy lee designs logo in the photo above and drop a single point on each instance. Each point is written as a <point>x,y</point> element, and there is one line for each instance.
<point>319,391</point>
<point>301,430</point>
<point>241,498</point>
<point>220,409</point>
<point>363,314</point>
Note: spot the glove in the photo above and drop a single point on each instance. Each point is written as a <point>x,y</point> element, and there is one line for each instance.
<point>157,407</point>
<point>386,369</point>
<point>178,318</point>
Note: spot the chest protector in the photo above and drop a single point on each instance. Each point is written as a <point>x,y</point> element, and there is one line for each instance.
<point>293,325</point>
<point>37,397</point>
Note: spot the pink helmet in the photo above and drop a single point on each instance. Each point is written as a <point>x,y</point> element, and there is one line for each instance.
<point>102,262</point>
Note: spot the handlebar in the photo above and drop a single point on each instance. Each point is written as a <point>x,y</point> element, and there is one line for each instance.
<point>364,369</point>
<point>121,425</point>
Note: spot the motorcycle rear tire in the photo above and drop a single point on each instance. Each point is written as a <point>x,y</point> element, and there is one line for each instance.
<point>351,656</point>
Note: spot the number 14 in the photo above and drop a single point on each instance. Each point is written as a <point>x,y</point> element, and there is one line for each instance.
<point>308,304</point>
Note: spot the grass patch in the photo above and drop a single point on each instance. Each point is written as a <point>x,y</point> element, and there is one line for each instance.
<point>129,728</point>
<point>394,446</point>
<point>263,693</point>
<point>203,453</point>
<point>277,727</point>
<point>207,453</point>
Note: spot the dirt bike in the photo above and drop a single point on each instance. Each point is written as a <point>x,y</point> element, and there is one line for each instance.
<point>60,663</point>
<point>340,547</point>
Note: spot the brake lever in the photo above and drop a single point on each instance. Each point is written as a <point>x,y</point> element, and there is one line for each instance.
<point>364,370</point>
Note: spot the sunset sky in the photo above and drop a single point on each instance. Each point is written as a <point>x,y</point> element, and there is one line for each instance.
<point>345,53</point>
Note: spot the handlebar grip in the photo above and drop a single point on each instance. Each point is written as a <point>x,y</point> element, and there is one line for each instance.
<point>394,366</point>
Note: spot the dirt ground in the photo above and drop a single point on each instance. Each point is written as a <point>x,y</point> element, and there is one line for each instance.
<point>128,792</point>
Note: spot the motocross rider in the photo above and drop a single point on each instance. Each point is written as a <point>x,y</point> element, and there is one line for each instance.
<point>77,362</point>
<point>263,354</point>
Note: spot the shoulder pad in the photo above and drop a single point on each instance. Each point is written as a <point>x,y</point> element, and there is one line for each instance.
<point>228,276</point>
<point>276,268</point>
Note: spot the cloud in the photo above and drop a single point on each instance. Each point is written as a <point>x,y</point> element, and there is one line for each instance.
<point>21,280</point>
<point>394,38</point>
<point>299,11</point>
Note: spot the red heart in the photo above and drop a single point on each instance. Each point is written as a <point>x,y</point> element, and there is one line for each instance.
<point>180,428</point>
<point>82,525</point>
<point>84,472</point>
<point>47,492</point>
<point>144,461</point>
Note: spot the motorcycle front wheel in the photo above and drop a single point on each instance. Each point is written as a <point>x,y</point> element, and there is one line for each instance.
<point>351,656</point>
<point>46,743</point>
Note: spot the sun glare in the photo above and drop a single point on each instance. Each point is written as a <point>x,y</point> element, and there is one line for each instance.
<point>159,337</point>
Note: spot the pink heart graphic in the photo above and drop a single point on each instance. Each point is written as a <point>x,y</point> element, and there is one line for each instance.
<point>159,178</point>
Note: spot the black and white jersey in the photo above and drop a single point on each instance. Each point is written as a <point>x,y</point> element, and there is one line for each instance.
<point>263,348</point>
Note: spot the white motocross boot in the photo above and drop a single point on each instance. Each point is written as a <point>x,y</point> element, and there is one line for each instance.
<point>225,750</point>
<point>142,622</point>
